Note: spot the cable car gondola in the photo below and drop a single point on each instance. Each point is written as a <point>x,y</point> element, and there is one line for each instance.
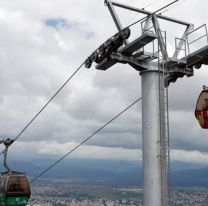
<point>14,186</point>
<point>201,111</point>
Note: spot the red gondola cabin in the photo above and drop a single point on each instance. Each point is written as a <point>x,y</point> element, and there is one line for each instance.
<point>201,111</point>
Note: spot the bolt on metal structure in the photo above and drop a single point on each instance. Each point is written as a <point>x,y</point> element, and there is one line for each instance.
<point>157,70</point>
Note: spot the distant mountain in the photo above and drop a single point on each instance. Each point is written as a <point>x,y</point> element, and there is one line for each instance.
<point>190,178</point>
<point>180,166</point>
<point>84,171</point>
<point>108,172</point>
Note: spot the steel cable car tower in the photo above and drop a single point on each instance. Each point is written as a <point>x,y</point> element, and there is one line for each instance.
<point>157,70</point>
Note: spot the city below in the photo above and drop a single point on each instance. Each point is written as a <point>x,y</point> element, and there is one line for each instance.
<point>108,182</point>
<point>66,194</point>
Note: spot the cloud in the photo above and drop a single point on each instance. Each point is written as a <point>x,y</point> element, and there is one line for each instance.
<point>85,152</point>
<point>42,43</point>
<point>193,156</point>
<point>58,149</point>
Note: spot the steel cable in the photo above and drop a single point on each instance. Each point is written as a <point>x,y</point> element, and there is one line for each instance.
<point>48,102</point>
<point>150,4</point>
<point>130,25</point>
<point>173,6</point>
<point>85,140</point>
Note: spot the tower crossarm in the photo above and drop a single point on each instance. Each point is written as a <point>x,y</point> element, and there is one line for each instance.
<point>118,57</point>
<point>176,72</point>
<point>186,65</point>
<point>113,51</point>
<point>142,11</point>
<point>198,58</point>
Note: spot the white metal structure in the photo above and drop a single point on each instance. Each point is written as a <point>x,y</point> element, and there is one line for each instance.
<point>157,71</point>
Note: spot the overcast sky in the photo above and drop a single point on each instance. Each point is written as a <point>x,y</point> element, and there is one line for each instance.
<point>43,41</point>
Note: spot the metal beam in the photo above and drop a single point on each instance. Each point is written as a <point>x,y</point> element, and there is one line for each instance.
<point>138,43</point>
<point>160,38</point>
<point>181,43</point>
<point>147,23</point>
<point>109,4</point>
<point>150,13</point>
<point>197,56</point>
